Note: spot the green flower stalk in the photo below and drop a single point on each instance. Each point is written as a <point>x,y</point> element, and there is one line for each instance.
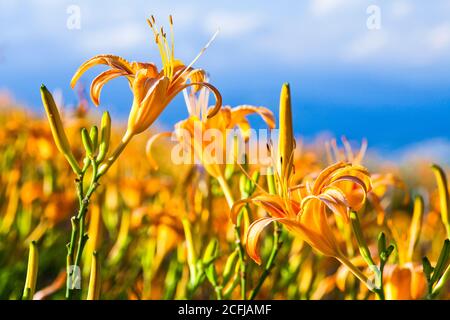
<point>32,270</point>
<point>96,149</point>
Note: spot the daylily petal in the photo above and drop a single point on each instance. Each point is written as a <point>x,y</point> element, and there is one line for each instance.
<point>101,80</point>
<point>236,208</point>
<point>114,62</point>
<point>326,246</point>
<point>253,236</point>
<point>325,174</point>
<point>362,151</point>
<point>214,90</point>
<point>337,207</point>
<point>240,112</point>
<point>139,118</point>
<point>153,103</point>
<point>273,205</point>
<point>152,70</point>
<point>356,198</point>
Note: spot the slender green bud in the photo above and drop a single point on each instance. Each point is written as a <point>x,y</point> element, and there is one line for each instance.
<point>93,134</point>
<point>211,252</point>
<point>442,261</point>
<point>32,270</point>
<point>94,279</point>
<point>191,255</point>
<point>211,274</point>
<point>56,126</point>
<point>228,270</point>
<point>286,141</point>
<point>381,243</point>
<point>389,251</point>
<point>105,136</point>
<point>415,226</point>
<point>427,268</point>
<point>87,142</point>
<point>444,201</point>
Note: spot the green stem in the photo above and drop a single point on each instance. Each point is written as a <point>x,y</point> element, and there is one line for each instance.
<point>78,226</point>
<point>105,166</point>
<point>78,222</point>
<point>218,291</point>
<point>277,242</point>
<point>365,253</point>
<point>237,233</point>
<point>356,272</point>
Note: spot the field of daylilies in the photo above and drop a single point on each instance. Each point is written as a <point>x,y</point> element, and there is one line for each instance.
<point>92,207</point>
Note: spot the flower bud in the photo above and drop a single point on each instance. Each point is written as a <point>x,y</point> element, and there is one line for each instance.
<point>191,255</point>
<point>57,129</point>
<point>427,268</point>
<point>415,226</point>
<point>286,134</point>
<point>93,134</point>
<point>33,264</point>
<point>211,252</point>
<point>105,131</point>
<point>94,279</point>
<point>442,261</point>
<point>381,243</point>
<point>228,270</point>
<point>441,180</point>
<point>87,142</point>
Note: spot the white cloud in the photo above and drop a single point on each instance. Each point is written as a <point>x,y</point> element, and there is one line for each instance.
<point>309,32</point>
<point>437,150</point>
<point>326,7</point>
<point>367,45</point>
<point>401,9</point>
<point>232,24</point>
<point>439,37</point>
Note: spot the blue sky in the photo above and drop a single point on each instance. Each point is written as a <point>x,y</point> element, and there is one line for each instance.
<point>390,85</point>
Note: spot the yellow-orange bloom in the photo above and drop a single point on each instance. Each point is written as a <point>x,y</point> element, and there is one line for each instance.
<point>404,282</point>
<point>152,89</point>
<point>192,133</point>
<point>205,139</point>
<point>338,189</point>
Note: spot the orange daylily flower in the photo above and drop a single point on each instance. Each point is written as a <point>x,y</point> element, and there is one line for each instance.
<point>338,189</point>
<point>335,154</point>
<point>404,282</point>
<point>205,138</point>
<point>227,118</point>
<point>152,89</point>
<point>381,182</point>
